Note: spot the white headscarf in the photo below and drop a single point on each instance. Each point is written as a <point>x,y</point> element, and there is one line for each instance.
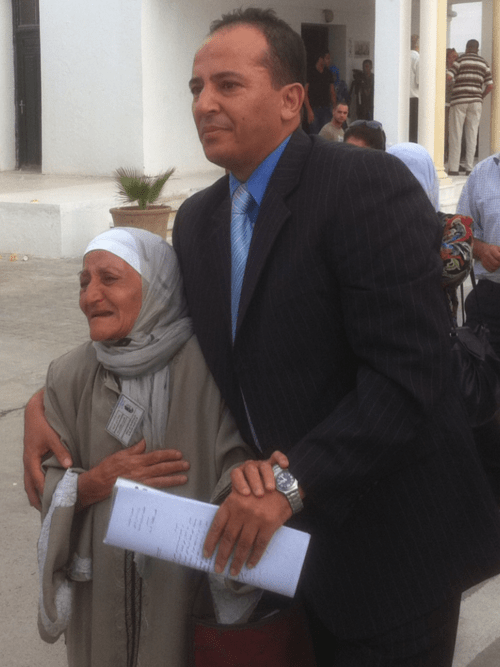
<point>161,329</point>
<point>420,163</point>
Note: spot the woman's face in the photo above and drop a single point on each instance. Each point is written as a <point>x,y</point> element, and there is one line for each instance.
<point>110,295</point>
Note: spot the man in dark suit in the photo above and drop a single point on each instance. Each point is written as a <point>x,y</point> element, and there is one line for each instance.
<point>336,353</point>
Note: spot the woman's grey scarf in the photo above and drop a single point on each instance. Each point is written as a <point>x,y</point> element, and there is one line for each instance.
<point>161,329</point>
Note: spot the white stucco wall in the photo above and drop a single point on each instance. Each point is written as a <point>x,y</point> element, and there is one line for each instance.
<point>7,109</point>
<point>392,85</point>
<point>171,33</point>
<point>115,75</point>
<point>92,118</point>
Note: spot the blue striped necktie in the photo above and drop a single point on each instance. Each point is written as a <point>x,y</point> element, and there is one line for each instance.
<point>241,235</point>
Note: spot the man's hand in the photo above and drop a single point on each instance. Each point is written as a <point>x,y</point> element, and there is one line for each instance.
<point>333,95</point>
<point>39,439</point>
<point>257,476</point>
<point>161,468</point>
<point>488,90</point>
<point>488,255</point>
<point>247,524</point>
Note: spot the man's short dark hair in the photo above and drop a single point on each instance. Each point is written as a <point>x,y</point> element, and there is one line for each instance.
<point>320,53</point>
<point>374,137</point>
<point>367,61</point>
<point>472,45</point>
<point>286,59</point>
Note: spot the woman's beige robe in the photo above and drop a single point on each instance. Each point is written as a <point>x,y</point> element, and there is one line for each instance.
<point>80,395</point>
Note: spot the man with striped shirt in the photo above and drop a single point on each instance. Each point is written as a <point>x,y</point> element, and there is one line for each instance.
<point>472,81</point>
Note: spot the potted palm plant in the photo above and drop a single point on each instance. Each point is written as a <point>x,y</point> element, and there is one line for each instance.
<point>145,190</point>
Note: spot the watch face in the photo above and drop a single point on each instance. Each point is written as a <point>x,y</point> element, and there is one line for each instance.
<point>285,480</point>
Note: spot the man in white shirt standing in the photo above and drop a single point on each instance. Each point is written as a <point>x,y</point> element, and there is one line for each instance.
<point>479,199</point>
<point>414,79</point>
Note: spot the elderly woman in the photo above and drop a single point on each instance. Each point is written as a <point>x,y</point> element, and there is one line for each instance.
<point>116,607</point>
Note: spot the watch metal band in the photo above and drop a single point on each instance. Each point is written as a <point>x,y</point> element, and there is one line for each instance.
<point>292,494</point>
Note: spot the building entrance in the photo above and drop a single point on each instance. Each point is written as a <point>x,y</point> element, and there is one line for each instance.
<point>28,84</point>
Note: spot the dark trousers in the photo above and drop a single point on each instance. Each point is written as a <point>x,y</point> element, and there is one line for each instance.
<point>322,116</point>
<point>487,439</point>
<point>484,307</point>
<point>427,641</point>
<point>413,129</point>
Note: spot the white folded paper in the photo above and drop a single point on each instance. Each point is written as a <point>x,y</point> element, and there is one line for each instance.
<point>162,525</point>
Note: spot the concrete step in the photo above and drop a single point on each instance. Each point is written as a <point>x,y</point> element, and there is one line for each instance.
<point>56,216</point>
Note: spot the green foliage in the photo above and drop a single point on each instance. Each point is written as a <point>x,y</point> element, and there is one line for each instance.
<point>145,190</point>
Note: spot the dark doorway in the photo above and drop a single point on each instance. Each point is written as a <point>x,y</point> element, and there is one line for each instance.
<point>315,38</point>
<point>28,84</point>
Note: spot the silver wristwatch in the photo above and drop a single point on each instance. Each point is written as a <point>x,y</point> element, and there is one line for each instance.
<point>288,486</point>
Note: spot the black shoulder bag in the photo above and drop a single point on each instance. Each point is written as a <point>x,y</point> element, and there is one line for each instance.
<point>476,367</point>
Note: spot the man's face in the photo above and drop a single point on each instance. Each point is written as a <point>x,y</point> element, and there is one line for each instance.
<point>236,110</point>
<point>340,114</point>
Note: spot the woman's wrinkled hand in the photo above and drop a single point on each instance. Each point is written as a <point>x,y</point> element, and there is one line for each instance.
<point>162,468</point>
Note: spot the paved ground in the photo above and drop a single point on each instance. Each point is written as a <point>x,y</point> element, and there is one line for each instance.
<point>39,320</point>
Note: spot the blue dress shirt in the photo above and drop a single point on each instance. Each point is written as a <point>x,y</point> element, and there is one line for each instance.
<point>259,180</point>
<point>480,199</point>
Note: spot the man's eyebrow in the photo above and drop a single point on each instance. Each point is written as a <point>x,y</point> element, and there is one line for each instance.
<point>217,77</point>
<point>231,73</point>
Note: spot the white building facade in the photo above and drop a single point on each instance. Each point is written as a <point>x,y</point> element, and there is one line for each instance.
<point>108,85</point>
<point>114,75</point>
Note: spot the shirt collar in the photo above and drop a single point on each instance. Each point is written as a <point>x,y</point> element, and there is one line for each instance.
<point>258,181</point>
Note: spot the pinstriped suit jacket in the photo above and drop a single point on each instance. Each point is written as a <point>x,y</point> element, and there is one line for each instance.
<point>342,354</point>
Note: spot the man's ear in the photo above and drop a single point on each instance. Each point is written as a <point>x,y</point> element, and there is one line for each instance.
<point>292,100</point>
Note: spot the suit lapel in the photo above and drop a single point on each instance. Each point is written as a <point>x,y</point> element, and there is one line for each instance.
<point>273,214</point>
<point>218,248</point>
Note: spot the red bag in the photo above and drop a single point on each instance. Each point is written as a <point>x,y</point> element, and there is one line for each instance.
<point>279,640</point>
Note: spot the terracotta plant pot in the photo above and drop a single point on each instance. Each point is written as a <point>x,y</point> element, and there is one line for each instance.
<point>153,218</point>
